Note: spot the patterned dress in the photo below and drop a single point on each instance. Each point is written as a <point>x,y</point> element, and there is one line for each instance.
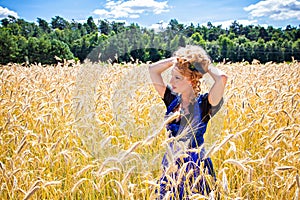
<point>184,153</point>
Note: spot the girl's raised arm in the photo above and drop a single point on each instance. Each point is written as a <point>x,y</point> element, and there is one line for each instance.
<point>156,70</point>
<point>217,90</point>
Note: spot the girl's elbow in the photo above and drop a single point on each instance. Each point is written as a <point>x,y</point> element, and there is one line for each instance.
<point>151,70</point>
<point>224,79</point>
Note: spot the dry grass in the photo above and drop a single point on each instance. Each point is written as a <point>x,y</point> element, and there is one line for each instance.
<point>96,132</point>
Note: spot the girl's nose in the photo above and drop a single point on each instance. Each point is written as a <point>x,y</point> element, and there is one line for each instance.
<point>171,80</point>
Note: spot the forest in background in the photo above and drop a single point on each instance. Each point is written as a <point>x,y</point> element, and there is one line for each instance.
<point>43,42</point>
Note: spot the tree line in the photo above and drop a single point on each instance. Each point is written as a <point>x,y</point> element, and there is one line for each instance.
<point>43,42</point>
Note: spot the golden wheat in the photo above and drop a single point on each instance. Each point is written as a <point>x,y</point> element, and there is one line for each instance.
<point>96,131</point>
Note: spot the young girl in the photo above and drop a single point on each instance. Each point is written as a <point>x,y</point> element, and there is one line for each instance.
<point>184,151</point>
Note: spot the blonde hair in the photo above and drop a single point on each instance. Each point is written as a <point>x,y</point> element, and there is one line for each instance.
<point>187,58</point>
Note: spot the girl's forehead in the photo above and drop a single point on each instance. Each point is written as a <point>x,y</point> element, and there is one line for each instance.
<point>176,71</point>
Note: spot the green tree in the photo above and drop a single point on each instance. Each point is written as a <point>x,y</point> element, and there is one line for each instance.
<point>198,39</point>
<point>174,25</point>
<point>290,33</point>
<point>9,20</point>
<point>235,28</point>
<point>226,47</point>
<point>59,23</point>
<point>272,51</point>
<point>90,25</point>
<point>245,52</point>
<point>252,33</point>
<point>213,49</point>
<point>21,40</point>
<point>189,30</point>
<point>104,27</point>
<point>21,51</point>
<point>181,41</point>
<point>259,50</point>
<point>174,43</point>
<point>44,51</point>
<point>82,47</point>
<point>111,51</point>
<point>287,50</point>
<point>8,46</point>
<point>33,50</point>
<point>61,50</point>
<point>213,32</point>
<point>263,34</point>
<point>240,48</point>
<point>118,27</point>
<point>28,29</point>
<point>43,25</point>
<point>296,49</point>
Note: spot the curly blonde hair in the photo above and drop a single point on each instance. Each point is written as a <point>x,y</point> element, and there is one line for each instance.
<point>187,58</point>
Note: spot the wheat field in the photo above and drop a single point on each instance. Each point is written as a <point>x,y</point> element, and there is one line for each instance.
<point>96,131</point>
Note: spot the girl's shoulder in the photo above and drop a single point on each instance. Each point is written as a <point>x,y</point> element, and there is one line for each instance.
<point>202,99</point>
<point>169,96</point>
<point>206,107</point>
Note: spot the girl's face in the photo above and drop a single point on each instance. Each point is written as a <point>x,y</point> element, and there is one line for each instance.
<point>179,83</point>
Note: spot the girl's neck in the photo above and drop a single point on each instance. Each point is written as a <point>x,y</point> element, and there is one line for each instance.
<point>188,97</point>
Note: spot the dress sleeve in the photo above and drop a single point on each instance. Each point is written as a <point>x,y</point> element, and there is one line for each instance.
<point>209,111</point>
<point>215,109</point>
<point>169,96</point>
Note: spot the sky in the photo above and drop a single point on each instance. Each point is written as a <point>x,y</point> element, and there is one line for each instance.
<point>158,13</point>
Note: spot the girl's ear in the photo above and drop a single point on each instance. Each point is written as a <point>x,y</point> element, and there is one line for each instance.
<point>190,83</point>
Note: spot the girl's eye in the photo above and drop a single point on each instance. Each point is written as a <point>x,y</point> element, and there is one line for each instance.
<point>177,77</point>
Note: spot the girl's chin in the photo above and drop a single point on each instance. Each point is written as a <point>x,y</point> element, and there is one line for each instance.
<point>175,90</point>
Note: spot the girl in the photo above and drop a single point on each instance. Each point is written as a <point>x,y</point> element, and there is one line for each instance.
<point>184,162</point>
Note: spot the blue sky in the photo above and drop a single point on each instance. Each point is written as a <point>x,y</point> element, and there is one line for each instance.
<point>148,13</point>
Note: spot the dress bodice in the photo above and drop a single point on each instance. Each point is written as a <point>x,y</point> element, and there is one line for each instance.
<point>193,125</point>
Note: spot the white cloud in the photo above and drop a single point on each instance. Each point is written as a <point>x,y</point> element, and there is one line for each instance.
<point>275,9</point>
<point>4,12</point>
<point>160,26</point>
<point>131,8</point>
<point>101,12</point>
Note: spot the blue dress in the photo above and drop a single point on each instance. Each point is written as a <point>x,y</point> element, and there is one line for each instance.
<point>189,131</point>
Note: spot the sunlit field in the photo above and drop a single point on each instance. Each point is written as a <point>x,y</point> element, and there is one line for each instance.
<point>96,131</point>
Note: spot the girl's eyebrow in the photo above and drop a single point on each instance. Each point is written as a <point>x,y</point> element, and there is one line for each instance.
<point>172,73</point>
<point>177,75</point>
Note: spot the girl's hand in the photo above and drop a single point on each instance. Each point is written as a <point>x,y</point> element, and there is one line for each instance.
<point>216,92</point>
<point>156,69</point>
